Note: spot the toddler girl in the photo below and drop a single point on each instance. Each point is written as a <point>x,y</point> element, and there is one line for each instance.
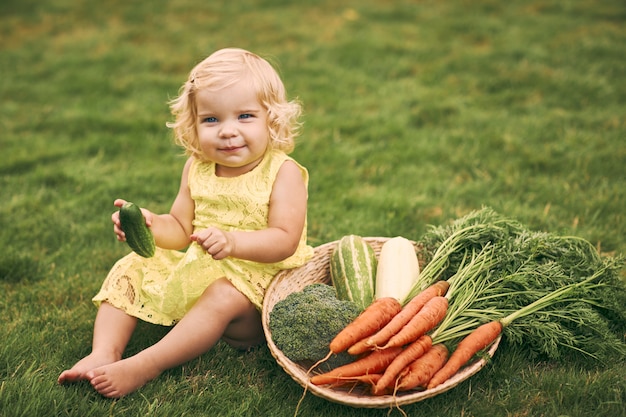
<point>240,212</point>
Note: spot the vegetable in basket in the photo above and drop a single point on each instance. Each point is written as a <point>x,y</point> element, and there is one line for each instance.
<point>397,272</point>
<point>304,323</point>
<point>371,364</point>
<point>554,295</point>
<point>398,269</point>
<point>522,266</point>
<point>353,266</point>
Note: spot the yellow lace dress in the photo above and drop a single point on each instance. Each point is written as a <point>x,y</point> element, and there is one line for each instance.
<point>163,288</point>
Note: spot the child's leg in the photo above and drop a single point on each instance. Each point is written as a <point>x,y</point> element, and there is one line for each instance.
<point>111,332</point>
<point>246,331</point>
<point>219,307</point>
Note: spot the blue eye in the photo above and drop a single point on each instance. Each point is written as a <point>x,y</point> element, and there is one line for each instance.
<point>209,120</point>
<point>246,116</point>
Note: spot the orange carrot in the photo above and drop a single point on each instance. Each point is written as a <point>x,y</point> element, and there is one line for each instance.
<point>372,319</point>
<point>373,363</point>
<point>361,346</point>
<point>367,379</point>
<point>418,373</point>
<point>401,319</point>
<point>425,320</point>
<point>474,342</point>
<point>406,357</point>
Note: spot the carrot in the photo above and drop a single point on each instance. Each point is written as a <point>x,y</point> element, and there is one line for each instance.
<point>406,357</point>
<point>367,379</point>
<point>474,342</point>
<point>373,363</point>
<point>401,319</point>
<point>372,319</point>
<point>418,373</point>
<point>426,319</point>
<point>361,346</point>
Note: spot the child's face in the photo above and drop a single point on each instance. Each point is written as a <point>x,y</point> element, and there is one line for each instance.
<point>232,128</point>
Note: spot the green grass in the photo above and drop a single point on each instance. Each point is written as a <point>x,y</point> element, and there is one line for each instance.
<point>416,113</point>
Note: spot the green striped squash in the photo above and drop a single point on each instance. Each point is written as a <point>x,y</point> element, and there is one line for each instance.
<point>353,270</point>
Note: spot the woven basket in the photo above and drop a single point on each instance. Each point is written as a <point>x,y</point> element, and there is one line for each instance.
<point>317,270</point>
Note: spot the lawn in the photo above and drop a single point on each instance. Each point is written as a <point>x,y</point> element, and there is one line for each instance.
<point>416,113</point>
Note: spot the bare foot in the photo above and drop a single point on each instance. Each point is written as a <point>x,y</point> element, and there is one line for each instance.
<point>89,362</point>
<point>121,378</point>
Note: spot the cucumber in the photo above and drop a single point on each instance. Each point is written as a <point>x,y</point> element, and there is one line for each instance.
<point>138,235</point>
<point>353,270</point>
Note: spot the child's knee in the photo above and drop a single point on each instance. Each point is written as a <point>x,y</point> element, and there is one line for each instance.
<point>222,295</point>
<point>220,289</point>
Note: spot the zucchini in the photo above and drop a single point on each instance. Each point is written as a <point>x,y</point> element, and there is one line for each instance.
<point>353,270</point>
<point>138,235</point>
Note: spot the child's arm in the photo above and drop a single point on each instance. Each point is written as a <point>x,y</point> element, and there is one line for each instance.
<point>171,230</point>
<point>287,216</point>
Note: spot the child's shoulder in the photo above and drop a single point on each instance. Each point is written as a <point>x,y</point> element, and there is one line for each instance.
<point>196,168</point>
<point>289,166</point>
<point>278,158</point>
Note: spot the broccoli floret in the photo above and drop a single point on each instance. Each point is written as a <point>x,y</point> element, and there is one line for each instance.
<point>304,323</point>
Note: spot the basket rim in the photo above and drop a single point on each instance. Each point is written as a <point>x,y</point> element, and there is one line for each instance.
<point>300,375</point>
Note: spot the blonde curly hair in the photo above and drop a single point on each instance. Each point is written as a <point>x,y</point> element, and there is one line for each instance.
<point>222,69</point>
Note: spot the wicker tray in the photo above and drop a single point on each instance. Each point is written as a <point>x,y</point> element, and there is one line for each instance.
<point>317,270</point>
